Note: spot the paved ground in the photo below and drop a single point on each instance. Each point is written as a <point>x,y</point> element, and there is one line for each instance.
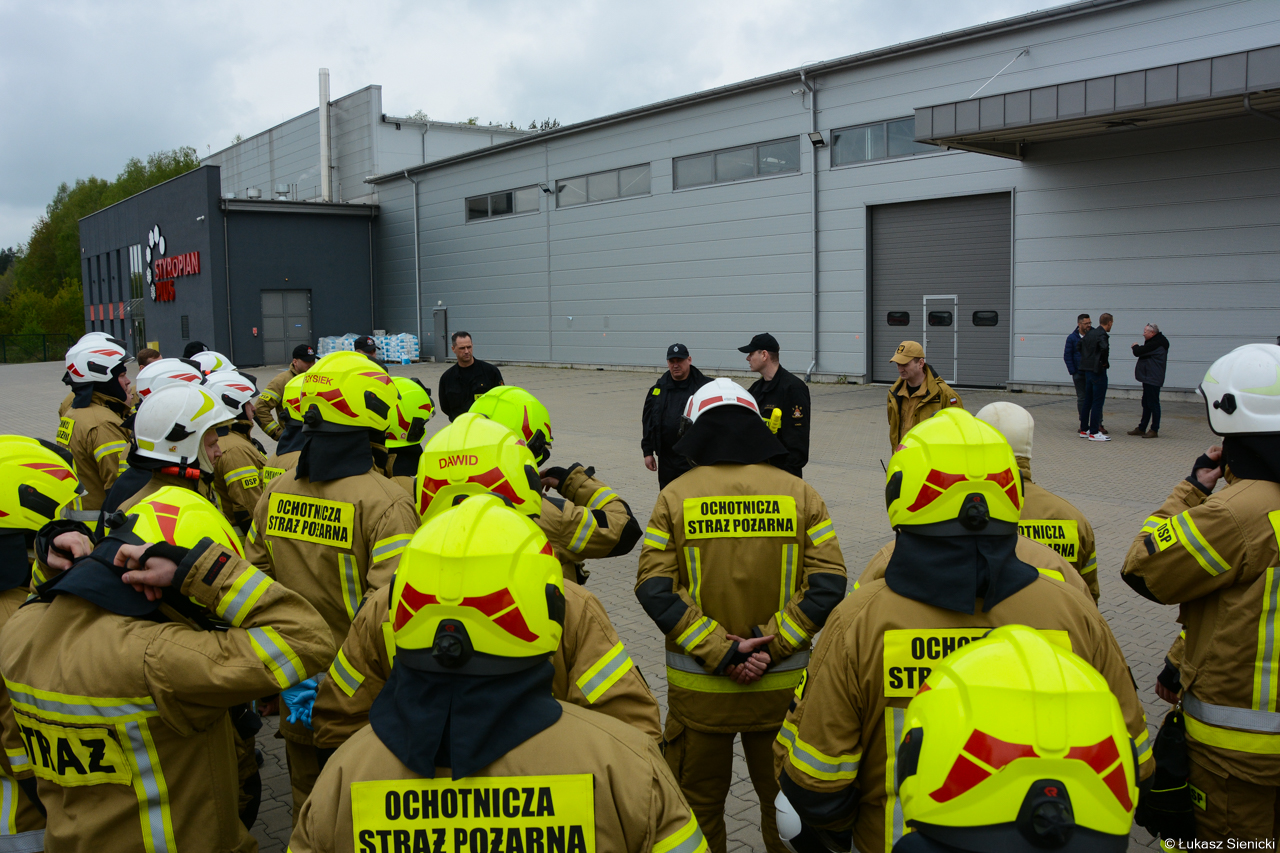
<point>596,418</point>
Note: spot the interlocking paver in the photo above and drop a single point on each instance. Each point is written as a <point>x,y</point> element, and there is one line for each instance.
<point>596,418</point>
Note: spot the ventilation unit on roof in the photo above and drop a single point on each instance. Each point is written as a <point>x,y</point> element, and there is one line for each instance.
<point>253,192</point>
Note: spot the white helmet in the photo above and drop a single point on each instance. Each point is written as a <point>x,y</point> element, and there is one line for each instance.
<point>233,389</point>
<point>167,371</point>
<point>1242,391</point>
<point>94,357</point>
<point>1013,422</point>
<point>211,362</point>
<point>171,423</point>
<point>718,392</point>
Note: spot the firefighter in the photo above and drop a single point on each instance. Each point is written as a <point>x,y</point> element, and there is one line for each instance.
<point>92,428</point>
<point>155,769</point>
<point>211,361</point>
<point>237,474</point>
<point>166,371</point>
<point>468,714</point>
<point>592,667</point>
<point>1215,555</point>
<point>290,438</point>
<point>271,400</point>
<point>66,376</point>
<point>333,530</point>
<point>918,394</point>
<point>953,497</point>
<point>1062,779</point>
<point>1046,518</point>
<point>408,427</point>
<point>589,520</point>
<point>740,568</point>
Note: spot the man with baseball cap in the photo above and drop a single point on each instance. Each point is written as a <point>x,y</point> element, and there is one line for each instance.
<point>918,394</point>
<point>367,345</point>
<point>663,406</point>
<point>270,402</point>
<point>784,402</point>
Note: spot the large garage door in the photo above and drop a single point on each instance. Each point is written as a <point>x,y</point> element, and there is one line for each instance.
<point>286,322</point>
<point>940,275</point>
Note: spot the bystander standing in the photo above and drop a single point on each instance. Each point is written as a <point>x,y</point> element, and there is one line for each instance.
<point>1153,356</point>
<point>1071,356</point>
<point>1095,351</point>
<point>663,408</point>
<point>468,380</point>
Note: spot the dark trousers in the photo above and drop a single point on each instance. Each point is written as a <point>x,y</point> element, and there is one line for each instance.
<point>1081,409</point>
<point>1095,393</point>
<point>1150,406</point>
<point>670,466</point>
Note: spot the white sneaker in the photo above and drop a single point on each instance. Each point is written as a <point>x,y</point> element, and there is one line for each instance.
<point>1084,433</point>
<point>1099,436</point>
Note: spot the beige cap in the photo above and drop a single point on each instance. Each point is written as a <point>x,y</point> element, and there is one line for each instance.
<point>907,350</point>
<point>1013,422</point>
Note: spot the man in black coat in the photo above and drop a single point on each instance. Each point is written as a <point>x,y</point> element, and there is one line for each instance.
<point>783,399</point>
<point>461,384</point>
<point>663,407</point>
<point>1095,353</point>
<point>1153,356</point>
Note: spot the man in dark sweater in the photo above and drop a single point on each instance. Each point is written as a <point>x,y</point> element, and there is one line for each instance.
<point>1152,355</point>
<point>663,408</point>
<point>783,399</point>
<point>1095,350</point>
<point>463,383</point>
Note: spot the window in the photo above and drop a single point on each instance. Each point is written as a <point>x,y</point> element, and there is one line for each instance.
<point>603,186</point>
<point>523,200</point>
<point>899,318</point>
<point>986,318</point>
<point>940,318</point>
<point>186,327</point>
<point>136,272</point>
<point>877,141</point>
<point>737,164</point>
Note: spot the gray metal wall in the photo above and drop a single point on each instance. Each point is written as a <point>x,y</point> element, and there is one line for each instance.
<point>1174,225</point>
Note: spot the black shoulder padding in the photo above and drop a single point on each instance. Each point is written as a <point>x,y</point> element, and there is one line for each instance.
<point>826,590</point>
<point>659,599</point>
<point>1139,585</point>
<point>825,809</point>
<point>631,534</point>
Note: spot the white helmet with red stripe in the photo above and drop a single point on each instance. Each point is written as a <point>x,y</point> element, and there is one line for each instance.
<point>95,357</point>
<point>232,388</point>
<point>211,361</point>
<point>166,371</point>
<point>718,392</point>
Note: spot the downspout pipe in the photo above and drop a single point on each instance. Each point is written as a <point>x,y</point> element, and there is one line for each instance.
<point>326,186</point>
<point>417,264</point>
<point>1249,108</point>
<point>813,194</point>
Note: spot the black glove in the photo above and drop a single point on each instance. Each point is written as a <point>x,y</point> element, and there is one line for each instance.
<point>1201,464</point>
<point>1169,678</point>
<point>54,529</point>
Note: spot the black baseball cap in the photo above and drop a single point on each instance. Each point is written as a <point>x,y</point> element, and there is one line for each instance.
<point>364,343</point>
<point>306,352</point>
<point>762,341</point>
<point>677,351</point>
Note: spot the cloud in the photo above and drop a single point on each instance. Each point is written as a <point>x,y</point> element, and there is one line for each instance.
<point>89,85</point>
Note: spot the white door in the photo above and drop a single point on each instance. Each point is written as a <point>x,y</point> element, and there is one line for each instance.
<point>941,345</point>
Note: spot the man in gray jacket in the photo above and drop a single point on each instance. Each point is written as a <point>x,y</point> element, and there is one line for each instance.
<point>1153,355</point>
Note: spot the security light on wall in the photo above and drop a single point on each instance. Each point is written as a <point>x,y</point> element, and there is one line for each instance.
<point>546,189</point>
<point>816,139</point>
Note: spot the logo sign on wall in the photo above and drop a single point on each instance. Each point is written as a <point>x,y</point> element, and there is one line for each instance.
<point>162,271</point>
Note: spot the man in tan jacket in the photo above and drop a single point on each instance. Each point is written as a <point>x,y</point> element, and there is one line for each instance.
<point>918,394</point>
<point>92,427</point>
<point>740,568</point>
<point>271,400</point>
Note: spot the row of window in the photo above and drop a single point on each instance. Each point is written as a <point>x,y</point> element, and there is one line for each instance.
<point>861,144</point>
<point>944,318</point>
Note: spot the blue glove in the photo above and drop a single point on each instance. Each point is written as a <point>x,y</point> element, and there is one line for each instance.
<point>299,699</point>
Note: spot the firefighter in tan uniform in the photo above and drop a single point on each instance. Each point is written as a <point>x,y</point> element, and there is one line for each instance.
<point>1217,556</point>
<point>92,428</point>
<point>953,496</point>
<point>589,520</point>
<point>468,717</point>
<point>271,400</point>
<point>592,668</point>
<point>122,702</point>
<point>1046,518</point>
<point>740,568</point>
<point>290,440</point>
<point>334,528</point>
<point>918,394</point>
<point>237,474</point>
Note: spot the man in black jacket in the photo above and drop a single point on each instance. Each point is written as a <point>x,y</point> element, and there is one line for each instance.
<point>663,406</point>
<point>1152,357</point>
<point>462,384</point>
<point>1095,350</point>
<point>784,402</point>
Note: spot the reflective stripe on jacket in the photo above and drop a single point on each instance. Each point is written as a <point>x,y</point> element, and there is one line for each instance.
<point>98,443</point>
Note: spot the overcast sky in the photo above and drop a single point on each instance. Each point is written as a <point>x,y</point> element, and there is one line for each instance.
<point>86,85</point>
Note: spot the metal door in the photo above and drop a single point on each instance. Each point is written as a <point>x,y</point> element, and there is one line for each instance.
<point>941,343</point>
<point>440,340</point>
<point>286,322</point>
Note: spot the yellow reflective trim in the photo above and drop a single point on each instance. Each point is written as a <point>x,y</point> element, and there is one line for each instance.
<point>1198,546</point>
<point>70,708</point>
<point>158,774</point>
<point>821,532</point>
<point>1255,743</point>
<point>656,538</point>
<point>723,684</point>
<point>790,567</point>
<point>792,629</point>
<point>597,680</point>
<point>696,632</point>
<point>349,575</point>
<point>895,720</point>
<point>242,596</point>
<point>601,497</point>
<point>813,762</point>
<point>582,535</point>
<point>1091,565</point>
<point>1266,665</point>
<point>275,653</point>
<point>1052,573</point>
<point>346,676</point>
<point>253,531</point>
<point>389,641</point>
<point>694,560</point>
<point>686,839</point>
<point>385,549</point>
<point>1144,752</point>
<point>110,447</point>
<point>240,474</point>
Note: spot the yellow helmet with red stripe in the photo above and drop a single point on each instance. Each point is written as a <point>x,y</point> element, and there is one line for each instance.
<point>347,389</point>
<point>477,456</point>
<point>182,517</point>
<point>522,413</point>
<point>37,479</point>
<point>413,410</point>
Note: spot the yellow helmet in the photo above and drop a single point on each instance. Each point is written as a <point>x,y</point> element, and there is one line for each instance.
<point>477,592</point>
<point>292,398</point>
<point>476,456</point>
<point>38,479</point>
<point>954,476</point>
<point>181,517</point>
<point>522,413</point>
<point>346,389</point>
<point>413,411</point>
<point>1015,743</point>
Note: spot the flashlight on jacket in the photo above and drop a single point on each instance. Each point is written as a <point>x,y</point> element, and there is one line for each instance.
<point>774,421</point>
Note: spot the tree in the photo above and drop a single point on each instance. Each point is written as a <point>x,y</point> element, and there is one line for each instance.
<point>7,257</point>
<point>545,124</point>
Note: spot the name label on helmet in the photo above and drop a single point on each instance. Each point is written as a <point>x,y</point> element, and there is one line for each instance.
<point>454,460</point>
<point>911,654</point>
<point>311,520</point>
<point>717,517</point>
<point>71,758</point>
<point>65,427</point>
<point>495,814</point>
<point>1061,536</point>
